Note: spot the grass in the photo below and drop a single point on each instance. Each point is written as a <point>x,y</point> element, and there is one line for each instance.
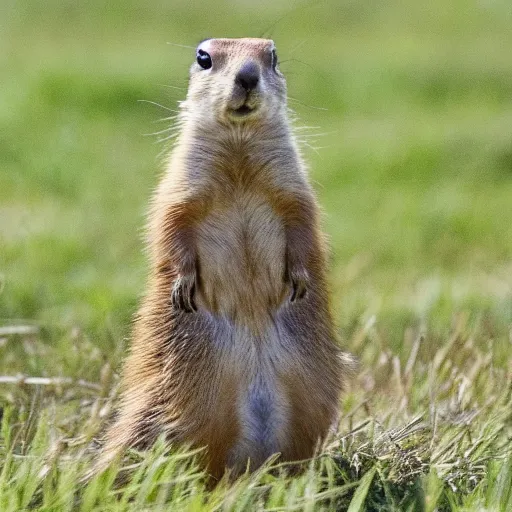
<point>413,169</point>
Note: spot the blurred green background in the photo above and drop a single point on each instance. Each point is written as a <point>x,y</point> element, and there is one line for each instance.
<point>411,104</point>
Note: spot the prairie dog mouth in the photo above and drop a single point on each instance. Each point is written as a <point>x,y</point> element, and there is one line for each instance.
<point>245,108</point>
<point>243,111</point>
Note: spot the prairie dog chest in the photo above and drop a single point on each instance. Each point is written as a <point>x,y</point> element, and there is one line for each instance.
<point>241,249</point>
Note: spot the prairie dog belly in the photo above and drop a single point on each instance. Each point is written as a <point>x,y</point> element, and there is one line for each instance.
<point>262,405</point>
<point>241,266</point>
<point>241,250</point>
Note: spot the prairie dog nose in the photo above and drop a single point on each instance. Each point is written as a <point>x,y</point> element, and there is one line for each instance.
<point>248,76</point>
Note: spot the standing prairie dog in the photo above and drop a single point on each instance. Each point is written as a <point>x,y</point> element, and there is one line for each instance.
<point>233,347</point>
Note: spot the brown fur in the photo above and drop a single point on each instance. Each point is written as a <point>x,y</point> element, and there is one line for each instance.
<point>233,229</point>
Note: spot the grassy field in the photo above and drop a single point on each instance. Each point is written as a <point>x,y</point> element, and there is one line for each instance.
<point>411,155</point>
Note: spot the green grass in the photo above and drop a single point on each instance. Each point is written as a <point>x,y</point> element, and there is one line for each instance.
<point>413,167</point>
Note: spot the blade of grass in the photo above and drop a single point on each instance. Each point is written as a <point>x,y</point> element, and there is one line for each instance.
<point>357,502</point>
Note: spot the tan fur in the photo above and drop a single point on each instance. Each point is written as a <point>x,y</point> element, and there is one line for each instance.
<point>234,226</point>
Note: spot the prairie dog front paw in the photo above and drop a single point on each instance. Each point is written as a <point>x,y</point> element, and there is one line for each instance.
<point>182,294</point>
<point>299,281</point>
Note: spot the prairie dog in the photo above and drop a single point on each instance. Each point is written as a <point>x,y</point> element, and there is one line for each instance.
<point>233,346</point>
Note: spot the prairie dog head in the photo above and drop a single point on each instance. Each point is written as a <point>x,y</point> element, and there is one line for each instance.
<point>236,81</point>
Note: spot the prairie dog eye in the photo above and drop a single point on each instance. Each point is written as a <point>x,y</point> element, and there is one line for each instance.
<point>204,59</point>
<point>274,59</point>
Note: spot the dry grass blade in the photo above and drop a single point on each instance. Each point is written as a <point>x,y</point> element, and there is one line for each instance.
<point>21,380</point>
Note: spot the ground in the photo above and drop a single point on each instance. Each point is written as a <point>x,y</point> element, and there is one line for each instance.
<point>410,146</point>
